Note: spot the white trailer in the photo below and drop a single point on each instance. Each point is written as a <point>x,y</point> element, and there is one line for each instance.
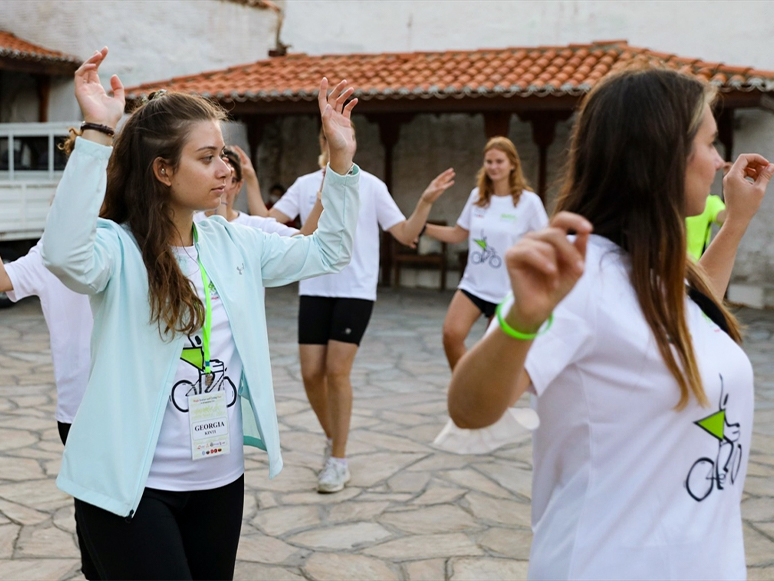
<point>31,165</point>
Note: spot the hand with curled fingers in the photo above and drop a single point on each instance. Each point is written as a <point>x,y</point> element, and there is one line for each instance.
<point>744,186</point>
<point>543,267</point>
<point>248,170</point>
<point>97,106</point>
<point>336,124</point>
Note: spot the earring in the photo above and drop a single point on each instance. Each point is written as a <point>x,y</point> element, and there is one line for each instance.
<point>163,171</point>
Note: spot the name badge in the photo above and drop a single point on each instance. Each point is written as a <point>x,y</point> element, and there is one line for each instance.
<point>208,419</point>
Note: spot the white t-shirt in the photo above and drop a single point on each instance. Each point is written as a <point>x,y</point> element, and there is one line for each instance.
<point>624,486</point>
<point>69,319</point>
<point>268,225</point>
<point>493,230</point>
<point>358,280</point>
<point>172,467</point>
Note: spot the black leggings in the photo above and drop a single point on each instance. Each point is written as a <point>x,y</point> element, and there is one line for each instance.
<point>87,564</point>
<point>173,535</point>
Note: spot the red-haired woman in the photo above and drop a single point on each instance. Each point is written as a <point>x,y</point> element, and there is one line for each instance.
<point>499,211</point>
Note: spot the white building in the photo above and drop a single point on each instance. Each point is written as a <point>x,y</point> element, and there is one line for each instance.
<point>160,40</point>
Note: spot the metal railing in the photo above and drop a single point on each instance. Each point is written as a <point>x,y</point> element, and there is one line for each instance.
<point>16,135</point>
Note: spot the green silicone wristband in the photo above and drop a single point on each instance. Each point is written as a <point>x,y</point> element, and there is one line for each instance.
<point>511,332</point>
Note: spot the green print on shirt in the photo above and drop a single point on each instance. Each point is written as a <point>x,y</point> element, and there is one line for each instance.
<point>714,424</point>
<point>193,356</point>
<point>487,254</point>
<point>707,473</point>
<point>213,291</point>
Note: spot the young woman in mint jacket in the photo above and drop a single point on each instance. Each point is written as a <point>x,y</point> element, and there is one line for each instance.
<point>179,375</point>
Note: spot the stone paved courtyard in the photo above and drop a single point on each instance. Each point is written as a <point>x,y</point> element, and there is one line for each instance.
<point>409,513</point>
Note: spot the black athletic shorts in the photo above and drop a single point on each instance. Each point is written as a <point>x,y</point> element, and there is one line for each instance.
<point>173,535</point>
<point>88,568</point>
<point>323,319</point>
<point>484,306</point>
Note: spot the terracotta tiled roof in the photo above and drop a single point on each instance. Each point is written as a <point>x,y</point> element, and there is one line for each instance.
<point>15,48</point>
<point>540,71</point>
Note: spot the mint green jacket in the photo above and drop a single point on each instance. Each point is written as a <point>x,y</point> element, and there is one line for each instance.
<point>113,438</point>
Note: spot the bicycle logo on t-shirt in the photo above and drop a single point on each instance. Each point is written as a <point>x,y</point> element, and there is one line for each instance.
<point>193,354</point>
<point>706,473</point>
<point>487,254</point>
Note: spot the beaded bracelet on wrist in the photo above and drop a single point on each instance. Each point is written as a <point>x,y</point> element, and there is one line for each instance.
<point>109,131</point>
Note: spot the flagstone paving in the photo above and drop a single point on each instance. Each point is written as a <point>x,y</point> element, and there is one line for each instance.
<point>410,513</point>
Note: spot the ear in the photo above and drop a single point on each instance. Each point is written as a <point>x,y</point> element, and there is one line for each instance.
<point>162,171</point>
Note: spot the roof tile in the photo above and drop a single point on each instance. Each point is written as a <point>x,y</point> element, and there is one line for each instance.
<point>572,70</point>
<point>11,46</point>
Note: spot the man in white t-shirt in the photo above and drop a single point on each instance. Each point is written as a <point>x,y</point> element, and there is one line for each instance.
<point>335,309</point>
<point>69,320</point>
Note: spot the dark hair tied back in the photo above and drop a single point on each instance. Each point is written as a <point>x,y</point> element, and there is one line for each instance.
<point>231,157</point>
<point>158,128</point>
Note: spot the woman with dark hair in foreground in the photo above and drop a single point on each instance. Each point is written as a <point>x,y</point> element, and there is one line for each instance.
<point>644,394</point>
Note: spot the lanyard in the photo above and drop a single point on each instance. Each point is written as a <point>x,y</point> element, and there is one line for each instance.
<point>207,306</point>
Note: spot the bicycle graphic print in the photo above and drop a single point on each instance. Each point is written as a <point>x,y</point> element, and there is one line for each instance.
<point>193,354</point>
<point>706,473</point>
<point>486,254</point>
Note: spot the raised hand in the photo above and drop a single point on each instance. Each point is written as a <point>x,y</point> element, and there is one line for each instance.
<point>744,187</point>
<point>438,186</point>
<point>322,182</point>
<point>543,267</point>
<point>248,170</point>
<point>96,105</point>
<point>336,125</point>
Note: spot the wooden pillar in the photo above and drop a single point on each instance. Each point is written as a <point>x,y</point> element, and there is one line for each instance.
<point>496,123</point>
<point>43,84</point>
<point>725,121</point>
<point>543,134</point>
<point>255,125</point>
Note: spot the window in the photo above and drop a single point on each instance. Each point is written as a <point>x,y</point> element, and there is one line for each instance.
<point>31,154</point>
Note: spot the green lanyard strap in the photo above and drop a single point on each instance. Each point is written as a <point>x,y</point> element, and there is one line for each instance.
<point>207,329</point>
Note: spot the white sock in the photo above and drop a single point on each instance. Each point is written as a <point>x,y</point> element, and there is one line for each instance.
<point>342,462</point>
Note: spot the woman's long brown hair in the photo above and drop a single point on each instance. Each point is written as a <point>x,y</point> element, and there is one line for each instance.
<point>157,129</point>
<point>516,180</point>
<point>631,144</point>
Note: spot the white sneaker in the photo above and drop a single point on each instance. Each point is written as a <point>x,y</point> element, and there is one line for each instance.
<point>333,477</point>
<point>327,453</point>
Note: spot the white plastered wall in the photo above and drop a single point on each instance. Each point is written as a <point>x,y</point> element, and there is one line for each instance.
<point>148,40</point>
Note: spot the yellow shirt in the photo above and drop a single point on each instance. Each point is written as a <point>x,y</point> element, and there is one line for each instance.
<point>698,229</point>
